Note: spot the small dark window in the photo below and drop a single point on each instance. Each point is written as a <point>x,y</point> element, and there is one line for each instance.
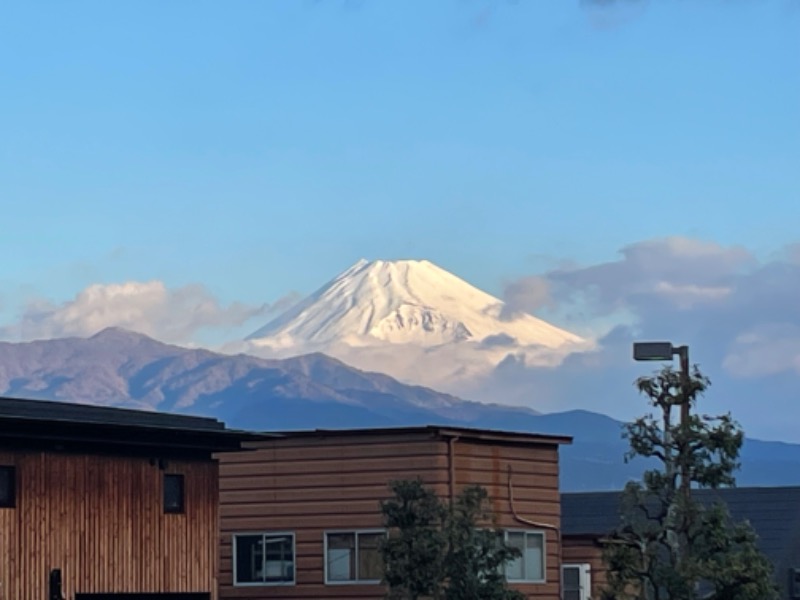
<point>173,493</point>
<point>8,487</point>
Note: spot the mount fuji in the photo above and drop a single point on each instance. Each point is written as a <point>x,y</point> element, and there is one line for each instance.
<point>416,322</point>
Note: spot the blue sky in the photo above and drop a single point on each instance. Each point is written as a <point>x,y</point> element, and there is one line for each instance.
<point>259,148</point>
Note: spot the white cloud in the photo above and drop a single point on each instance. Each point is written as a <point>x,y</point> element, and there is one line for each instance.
<point>793,254</point>
<point>650,273</point>
<point>688,295</point>
<point>767,349</point>
<point>171,315</point>
<point>739,316</point>
<point>526,295</point>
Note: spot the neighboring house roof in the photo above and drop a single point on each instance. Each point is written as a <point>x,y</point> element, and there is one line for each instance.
<point>468,433</point>
<point>65,426</point>
<point>774,513</point>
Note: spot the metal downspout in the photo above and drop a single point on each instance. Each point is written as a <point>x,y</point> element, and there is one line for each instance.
<point>451,464</point>
<point>525,521</point>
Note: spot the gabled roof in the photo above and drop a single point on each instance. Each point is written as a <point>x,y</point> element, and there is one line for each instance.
<point>65,426</point>
<point>774,513</point>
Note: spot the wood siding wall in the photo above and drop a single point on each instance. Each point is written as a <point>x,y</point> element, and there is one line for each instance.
<point>100,520</point>
<point>309,485</point>
<point>581,550</point>
<point>533,470</point>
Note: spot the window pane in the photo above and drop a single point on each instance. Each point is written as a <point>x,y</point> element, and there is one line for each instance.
<point>7,485</point>
<point>370,565</point>
<point>514,568</point>
<point>173,493</point>
<point>534,562</point>
<point>249,558</point>
<point>278,558</point>
<point>572,595</point>
<point>530,567</point>
<point>516,539</point>
<point>341,556</point>
<point>572,578</point>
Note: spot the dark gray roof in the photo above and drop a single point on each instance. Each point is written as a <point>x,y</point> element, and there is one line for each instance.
<point>774,513</point>
<point>78,427</point>
<point>18,408</point>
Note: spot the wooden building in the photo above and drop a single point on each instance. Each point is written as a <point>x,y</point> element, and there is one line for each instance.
<point>774,513</point>
<point>300,515</point>
<point>582,568</point>
<point>100,502</point>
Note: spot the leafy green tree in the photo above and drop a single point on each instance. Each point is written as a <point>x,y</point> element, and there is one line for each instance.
<point>414,553</point>
<point>441,551</point>
<point>668,546</point>
<point>476,556</point>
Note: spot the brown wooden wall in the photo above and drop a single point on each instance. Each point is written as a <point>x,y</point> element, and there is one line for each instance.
<point>583,550</point>
<point>101,521</point>
<point>534,478</point>
<point>308,485</point>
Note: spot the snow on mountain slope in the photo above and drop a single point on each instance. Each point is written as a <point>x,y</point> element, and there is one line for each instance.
<point>412,320</point>
<point>402,302</point>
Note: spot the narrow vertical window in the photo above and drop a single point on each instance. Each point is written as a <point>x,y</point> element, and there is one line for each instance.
<point>576,582</point>
<point>8,487</point>
<point>173,493</point>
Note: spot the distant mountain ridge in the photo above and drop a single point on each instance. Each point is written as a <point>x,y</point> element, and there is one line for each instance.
<point>116,367</point>
<point>120,368</point>
<point>393,316</point>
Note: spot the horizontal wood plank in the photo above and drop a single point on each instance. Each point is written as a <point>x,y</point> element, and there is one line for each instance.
<point>307,486</point>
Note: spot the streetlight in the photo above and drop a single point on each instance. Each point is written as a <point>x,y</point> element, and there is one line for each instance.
<point>663,351</point>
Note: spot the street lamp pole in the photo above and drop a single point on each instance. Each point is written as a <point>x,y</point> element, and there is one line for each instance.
<point>665,351</point>
<point>683,354</point>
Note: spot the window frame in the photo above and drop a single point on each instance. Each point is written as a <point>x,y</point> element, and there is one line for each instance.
<point>182,508</point>
<point>584,577</point>
<point>263,534</point>
<point>541,533</point>
<point>12,486</point>
<point>356,532</point>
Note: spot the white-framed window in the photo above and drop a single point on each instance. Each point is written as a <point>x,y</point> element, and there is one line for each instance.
<point>353,556</point>
<point>529,567</point>
<point>263,558</point>
<point>576,581</point>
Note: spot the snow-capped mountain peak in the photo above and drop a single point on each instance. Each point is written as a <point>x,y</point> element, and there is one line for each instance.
<point>401,302</point>
<point>416,322</point>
